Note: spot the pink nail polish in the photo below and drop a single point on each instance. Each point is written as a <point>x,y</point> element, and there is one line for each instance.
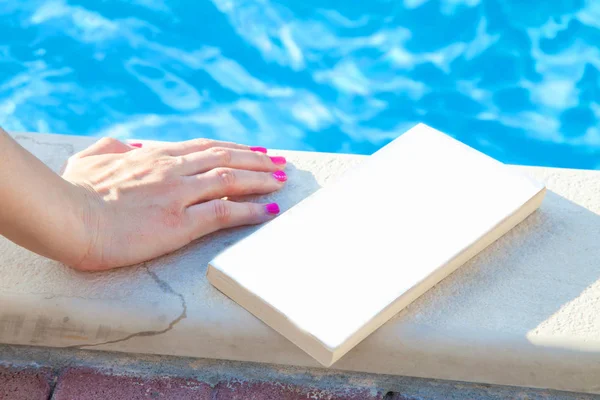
<point>272,208</point>
<point>138,145</point>
<point>278,160</point>
<point>280,176</point>
<point>259,149</point>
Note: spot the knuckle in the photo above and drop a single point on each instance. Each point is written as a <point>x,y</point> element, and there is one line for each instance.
<point>156,163</point>
<point>158,152</point>
<point>221,211</point>
<point>170,185</point>
<point>203,143</point>
<point>223,155</point>
<point>161,162</point>
<point>226,177</point>
<point>265,160</point>
<point>172,215</point>
<point>266,179</point>
<point>252,211</point>
<point>177,161</point>
<point>107,141</point>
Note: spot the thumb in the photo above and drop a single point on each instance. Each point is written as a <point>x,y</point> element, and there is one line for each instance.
<point>106,145</point>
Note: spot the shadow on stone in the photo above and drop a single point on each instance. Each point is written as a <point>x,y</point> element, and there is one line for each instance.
<point>529,282</point>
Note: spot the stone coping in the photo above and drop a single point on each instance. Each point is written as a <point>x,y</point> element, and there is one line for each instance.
<point>523,313</point>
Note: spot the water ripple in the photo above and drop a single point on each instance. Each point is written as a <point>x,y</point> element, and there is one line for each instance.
<point>517,80</point>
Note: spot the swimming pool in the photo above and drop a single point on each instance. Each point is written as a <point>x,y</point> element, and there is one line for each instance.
<point>518,80</point>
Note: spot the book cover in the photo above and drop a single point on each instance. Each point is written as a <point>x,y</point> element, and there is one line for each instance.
<point>335,267</point>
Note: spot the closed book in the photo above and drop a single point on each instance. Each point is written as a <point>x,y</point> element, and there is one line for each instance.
<point>339,264</point>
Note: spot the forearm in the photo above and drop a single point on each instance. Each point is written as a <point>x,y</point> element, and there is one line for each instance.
<point>38,209</point>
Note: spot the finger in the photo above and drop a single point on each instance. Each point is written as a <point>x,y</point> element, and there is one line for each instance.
<point>215,157</point>
<point>105,145</point>
<point>225,182</point>
<point>214,215</point>
<point>194,145</point>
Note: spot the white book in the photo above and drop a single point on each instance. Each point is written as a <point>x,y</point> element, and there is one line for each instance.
<point>335,267</point>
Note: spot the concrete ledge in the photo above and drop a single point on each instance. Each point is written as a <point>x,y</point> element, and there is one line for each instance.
<point>523,313</point>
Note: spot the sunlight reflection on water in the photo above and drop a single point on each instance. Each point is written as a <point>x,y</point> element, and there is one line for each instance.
<point>518,80</point>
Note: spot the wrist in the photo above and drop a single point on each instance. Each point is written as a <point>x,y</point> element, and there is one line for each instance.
<point>85,220</point>
<point>44,212</point>
<point>36,204</point>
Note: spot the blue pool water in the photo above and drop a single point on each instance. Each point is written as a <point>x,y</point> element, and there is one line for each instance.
<point>517,79</point>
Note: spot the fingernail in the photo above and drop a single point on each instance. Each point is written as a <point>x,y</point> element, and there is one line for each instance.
<point>280,176</point>
<point>278,160</point>
<point>272,208</point>
<point>138,145</point>
<point>259,149</point>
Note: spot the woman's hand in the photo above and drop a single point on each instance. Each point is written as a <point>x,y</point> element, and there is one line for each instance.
<point>145,202</point>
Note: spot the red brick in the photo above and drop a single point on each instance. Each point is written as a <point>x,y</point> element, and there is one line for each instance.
<point>24,384</point>
<point>87,384</point>
<point>281,391</point>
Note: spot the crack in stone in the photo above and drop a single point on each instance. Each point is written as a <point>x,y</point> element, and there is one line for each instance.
<point>165,287</point>
<point>48,296</point>
<point>66,146</point>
